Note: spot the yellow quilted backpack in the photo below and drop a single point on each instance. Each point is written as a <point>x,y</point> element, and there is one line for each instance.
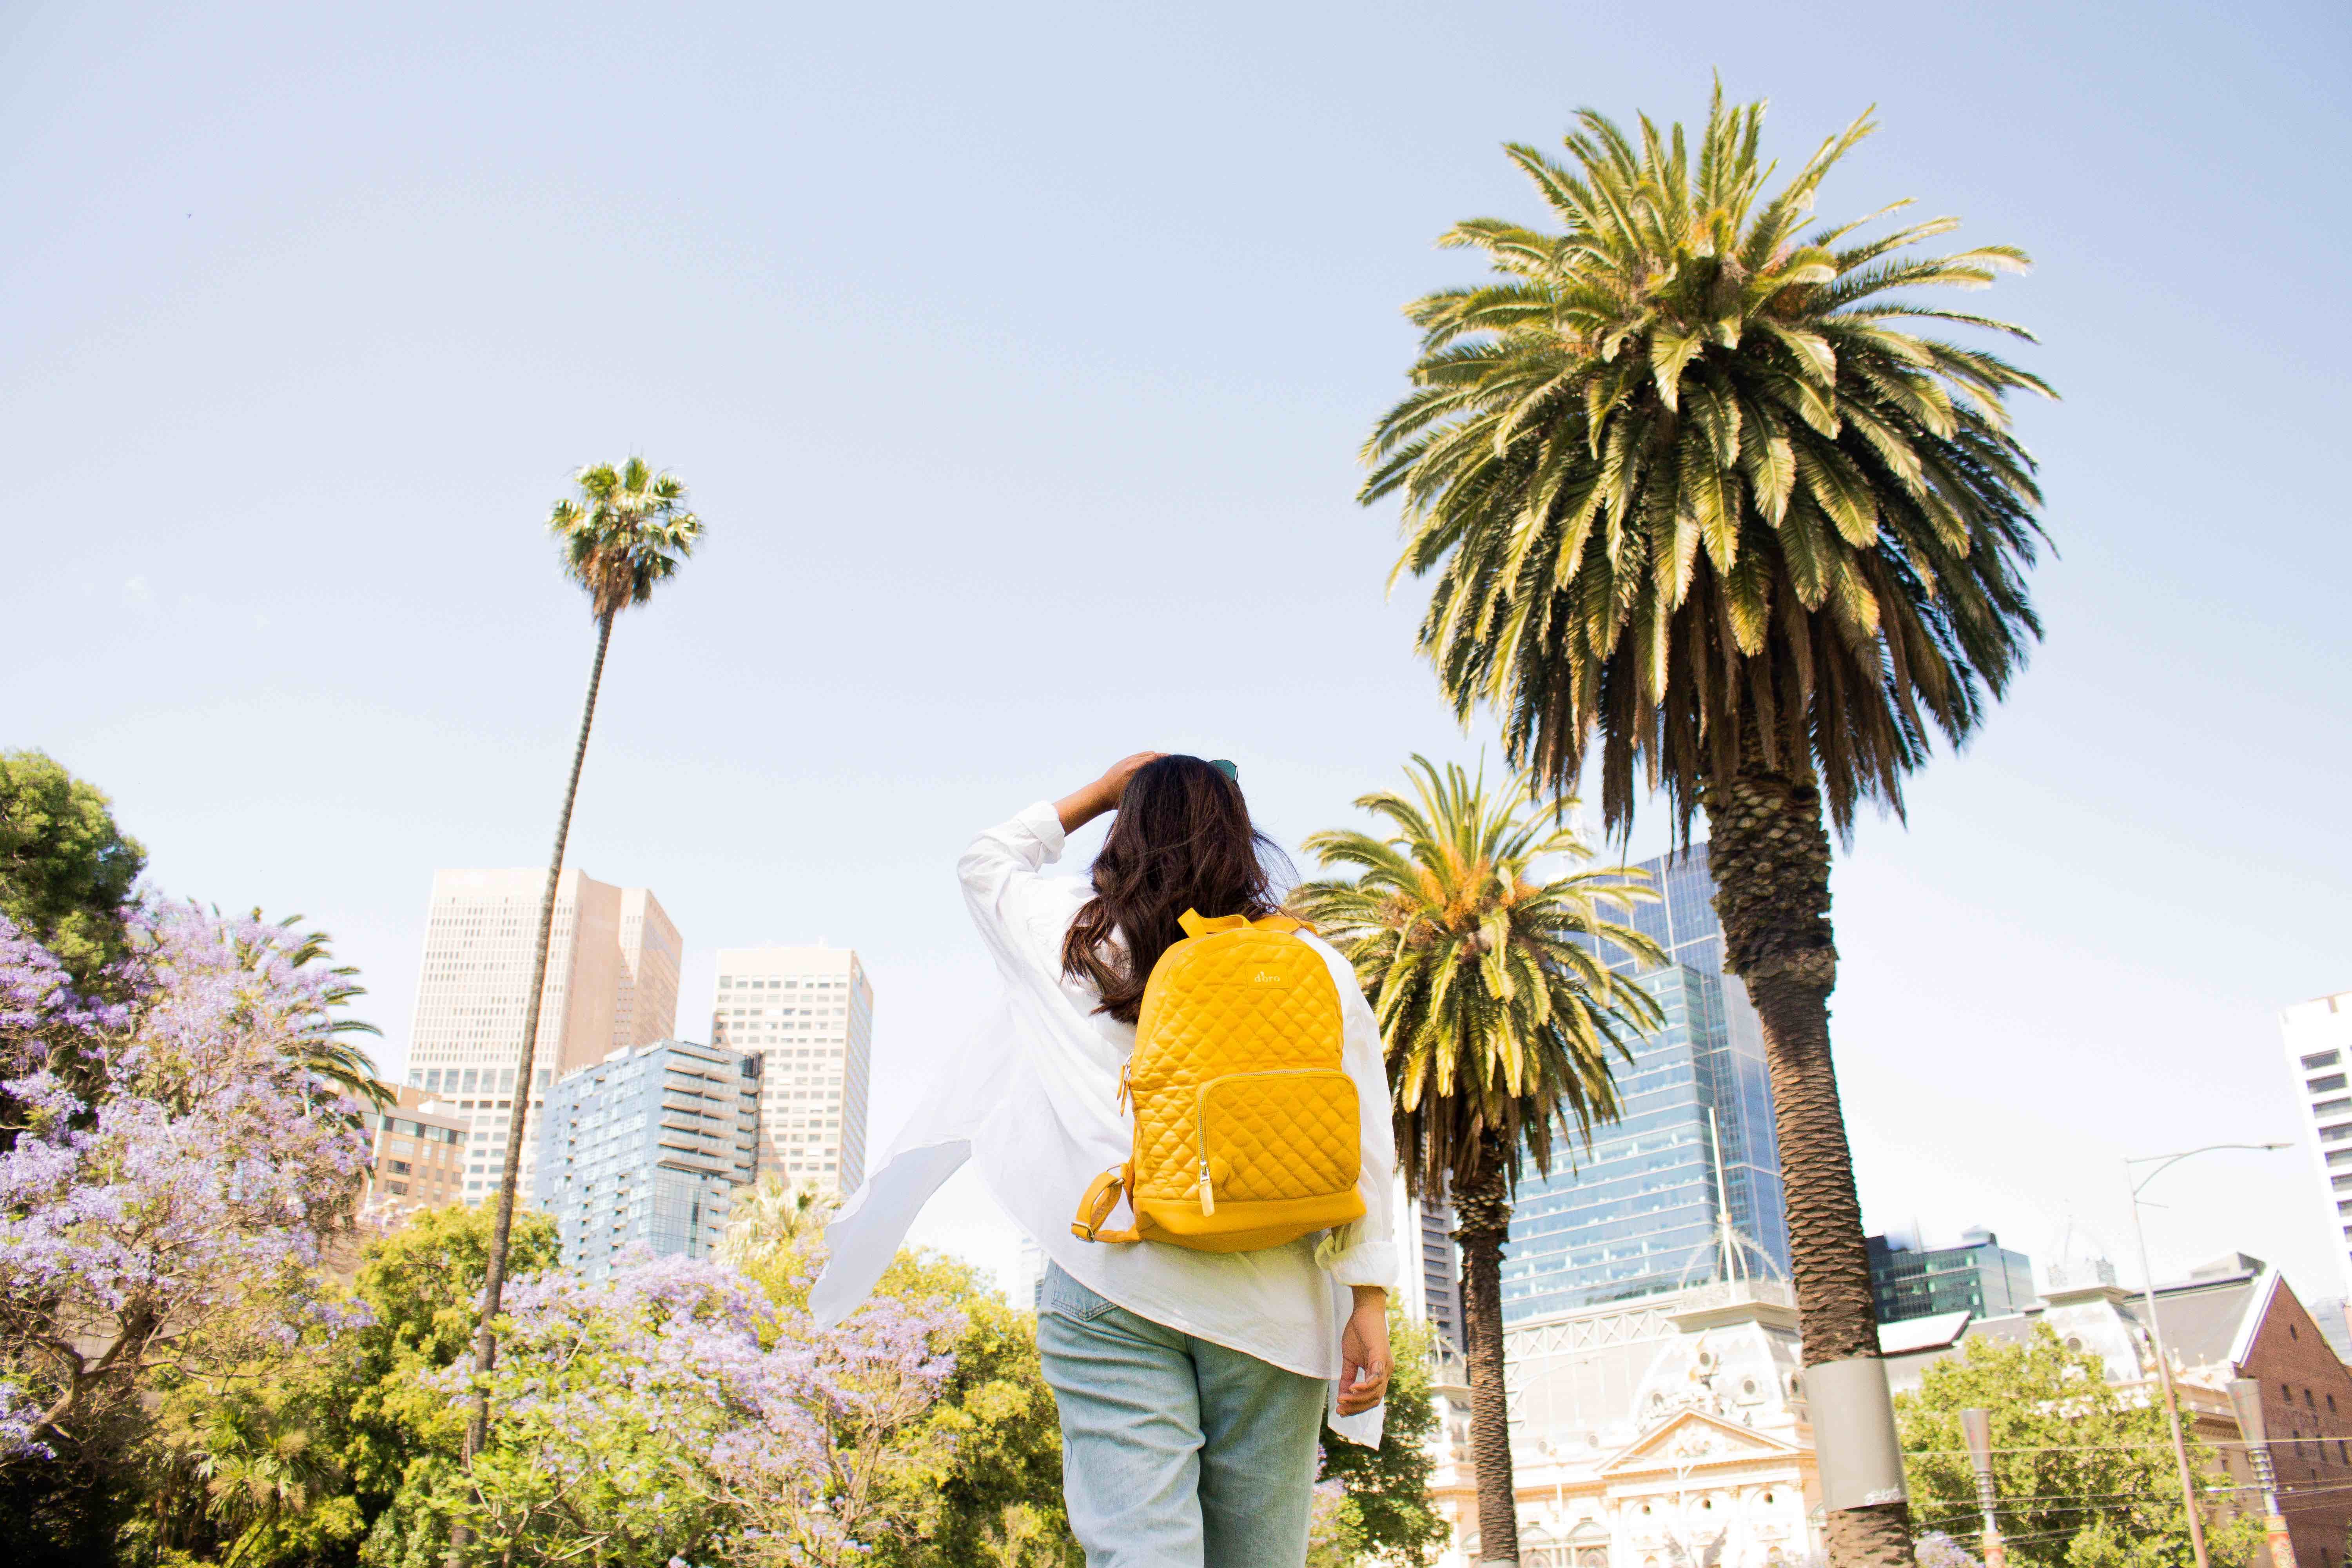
<point>1245,1119</point>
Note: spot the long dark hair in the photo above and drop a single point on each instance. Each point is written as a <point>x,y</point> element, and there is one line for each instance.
<point>1183,840</point>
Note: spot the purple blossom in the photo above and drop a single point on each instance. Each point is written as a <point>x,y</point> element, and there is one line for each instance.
<point>672,1402</point>
<point>175,1208</point>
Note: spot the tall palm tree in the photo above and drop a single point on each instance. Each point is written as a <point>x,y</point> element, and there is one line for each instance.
<point>626,530</point>
<point>1699,491</point>
<point>1498,1012</point>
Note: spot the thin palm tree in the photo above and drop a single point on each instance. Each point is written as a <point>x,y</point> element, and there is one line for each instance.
<point>1498,1013</point>
<point>1701,490</point>
<point>774,1218</point>
<point>625,531</point>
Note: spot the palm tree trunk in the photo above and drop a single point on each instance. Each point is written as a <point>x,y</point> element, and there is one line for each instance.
<point>1481,1209</point>
<point>1770,852</point>
<point>494,1284</point>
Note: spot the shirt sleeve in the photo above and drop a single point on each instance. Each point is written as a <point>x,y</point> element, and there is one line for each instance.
<point>1009,901</point>
<point>1365,1251</point>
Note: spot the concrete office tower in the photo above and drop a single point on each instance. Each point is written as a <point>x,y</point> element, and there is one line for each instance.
<point>612,981</point>
<point>1979,1276</point>
<point>1639,1213</point>
<point>808,1013</point>
<point>2319,1056</point>
<point>646,1008</point>
<point>648,1146</point>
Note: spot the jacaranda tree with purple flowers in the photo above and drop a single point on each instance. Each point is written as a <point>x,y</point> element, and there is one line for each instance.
<point>173,1174</point>
<point>673,1408</point>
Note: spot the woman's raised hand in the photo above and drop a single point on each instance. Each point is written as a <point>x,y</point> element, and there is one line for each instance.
<point>1081,806</point>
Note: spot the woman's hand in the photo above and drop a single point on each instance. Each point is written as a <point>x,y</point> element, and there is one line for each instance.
<point>1081,806</point>
<point>1364,1362</point>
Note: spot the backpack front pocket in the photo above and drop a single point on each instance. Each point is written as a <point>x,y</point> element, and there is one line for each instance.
<point>1264,1136</point>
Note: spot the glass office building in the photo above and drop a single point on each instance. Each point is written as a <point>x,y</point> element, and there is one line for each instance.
<point>1979,1275</point>
<point>647,1147</point>
<point>1639,1213</point>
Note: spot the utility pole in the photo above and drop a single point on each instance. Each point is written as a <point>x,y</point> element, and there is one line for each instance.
<point>1976,1426</point>
<point>2246,1397</point>
<point>2156,1334</point>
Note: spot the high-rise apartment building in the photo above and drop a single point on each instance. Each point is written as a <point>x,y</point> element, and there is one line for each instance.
<point>2319,1058</point>
<point>1640,1212</point>
<point>648,1146</point>
<point>1979,1275</point>
<point>612,982</point>
<point>808,1011</point>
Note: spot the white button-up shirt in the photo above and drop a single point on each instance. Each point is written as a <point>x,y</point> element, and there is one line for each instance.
<point>1033,1103</point>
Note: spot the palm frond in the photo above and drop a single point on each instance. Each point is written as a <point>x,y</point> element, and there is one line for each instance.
<point>1499,1014</point>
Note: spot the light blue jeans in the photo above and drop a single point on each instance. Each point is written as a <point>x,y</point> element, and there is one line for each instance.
<point>1176,1452</point>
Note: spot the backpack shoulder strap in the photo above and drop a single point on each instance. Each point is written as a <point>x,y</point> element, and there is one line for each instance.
<point>1094,1209</point>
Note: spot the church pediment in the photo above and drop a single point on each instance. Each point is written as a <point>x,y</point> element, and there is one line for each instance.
<point>1693,1438</point>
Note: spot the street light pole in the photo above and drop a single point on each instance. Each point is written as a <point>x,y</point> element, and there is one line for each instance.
<point>2156,1333</point>
<point>1976,1426</point>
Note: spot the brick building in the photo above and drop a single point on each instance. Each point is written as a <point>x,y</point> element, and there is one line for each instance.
<point>417,1156</point>
<point>2307,1406</point>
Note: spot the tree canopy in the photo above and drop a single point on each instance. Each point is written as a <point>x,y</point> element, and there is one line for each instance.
<point>1694,482</point>
<point>2084,1470</point>
<point>66,869</point>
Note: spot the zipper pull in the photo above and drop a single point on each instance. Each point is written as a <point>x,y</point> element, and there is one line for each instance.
<point>1124,1068</point>
<point>1208,1194</point>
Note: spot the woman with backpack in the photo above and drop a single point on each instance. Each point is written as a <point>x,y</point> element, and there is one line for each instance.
<point>1196,1352</point>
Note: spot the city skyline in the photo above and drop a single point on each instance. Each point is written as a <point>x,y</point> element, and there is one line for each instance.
<point>300,249</point>
<point>611,985</point>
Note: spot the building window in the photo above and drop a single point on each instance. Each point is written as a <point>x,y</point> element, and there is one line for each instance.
<point>2334,1080</point>
<point>2319,1060</point>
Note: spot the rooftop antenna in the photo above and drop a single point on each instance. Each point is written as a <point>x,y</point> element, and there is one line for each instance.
<point>1727,1242</point>
<point>1732,1267</point>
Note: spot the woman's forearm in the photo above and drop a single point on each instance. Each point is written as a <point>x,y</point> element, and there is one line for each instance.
<point>1081,806</point>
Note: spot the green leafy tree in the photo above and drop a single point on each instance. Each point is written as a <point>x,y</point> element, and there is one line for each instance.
<point>1390,1484</point>
<point>1334,1529</point>
<point>246,1470</point>
<point>66,869</point>
<point>998,1496</point>
<point>2083,1472</point>
<point>1700,488</point>
<point>626,531</point>
<point>1498,1018</point>
<point>420,1285</point>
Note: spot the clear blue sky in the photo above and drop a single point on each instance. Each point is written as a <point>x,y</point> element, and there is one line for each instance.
<point>1017,357</point>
